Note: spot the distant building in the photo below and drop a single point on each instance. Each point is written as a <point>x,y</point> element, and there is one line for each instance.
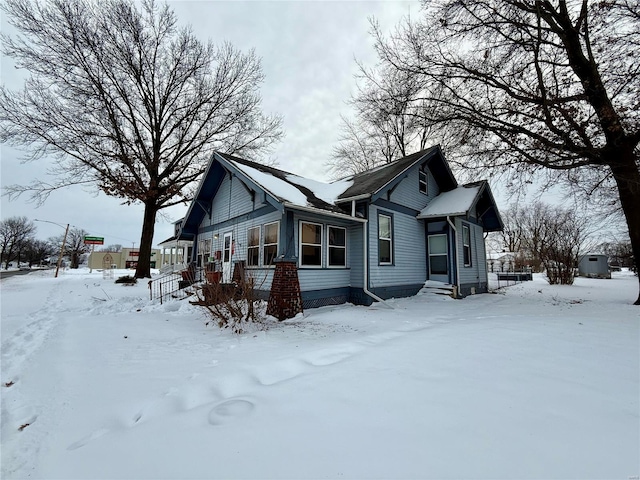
<point>126,258</point>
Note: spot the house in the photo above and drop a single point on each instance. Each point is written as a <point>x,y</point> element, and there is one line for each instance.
<point>501,261</point>
<point>373,236</point>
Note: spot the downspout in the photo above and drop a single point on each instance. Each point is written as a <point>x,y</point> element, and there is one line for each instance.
<point>365,267</point>
<point>455,237</point>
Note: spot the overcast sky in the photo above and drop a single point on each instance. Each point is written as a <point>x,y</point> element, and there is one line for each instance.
<point>308,51</point>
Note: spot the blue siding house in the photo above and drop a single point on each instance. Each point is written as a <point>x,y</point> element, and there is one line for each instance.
<point>376,235</point>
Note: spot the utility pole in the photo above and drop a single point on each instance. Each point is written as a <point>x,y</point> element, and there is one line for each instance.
<point>64,241</point>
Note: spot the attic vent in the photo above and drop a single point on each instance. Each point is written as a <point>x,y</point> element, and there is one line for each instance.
<point>593,259</point>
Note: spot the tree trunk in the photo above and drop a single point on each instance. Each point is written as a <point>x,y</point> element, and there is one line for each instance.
<point>627,177</point>
<point>143,270</point>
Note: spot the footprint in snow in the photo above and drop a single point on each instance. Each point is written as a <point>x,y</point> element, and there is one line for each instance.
<point>232,408</point>
<point>84,440</point>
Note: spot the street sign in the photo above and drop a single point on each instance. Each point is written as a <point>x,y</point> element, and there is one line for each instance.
<point>94,240</point>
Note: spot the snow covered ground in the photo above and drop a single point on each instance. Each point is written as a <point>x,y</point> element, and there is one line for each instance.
<point>533,382</point>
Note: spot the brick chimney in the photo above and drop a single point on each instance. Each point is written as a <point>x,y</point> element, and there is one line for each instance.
<point>285,300</point>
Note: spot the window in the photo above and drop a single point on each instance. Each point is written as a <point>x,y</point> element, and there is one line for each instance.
<point>253,246</point>
<point>271,234</point>
<point>337,247</point>
<point>385,240</point>
<point>422,181</point>
<point>310,244</point>
<point>466,245</point>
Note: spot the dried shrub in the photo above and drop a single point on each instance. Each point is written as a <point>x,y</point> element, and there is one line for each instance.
<point>235,306</point>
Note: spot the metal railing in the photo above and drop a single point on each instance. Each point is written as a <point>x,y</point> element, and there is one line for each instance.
<point>175,284</point>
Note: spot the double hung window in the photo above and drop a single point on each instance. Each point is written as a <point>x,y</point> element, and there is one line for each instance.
<point>253,246</point>
<point>385,239</point>
<point>310,244</point>
<point>422,182</point>
<point>271,234</point>
<point>337,247</point>
<point>466,245</point>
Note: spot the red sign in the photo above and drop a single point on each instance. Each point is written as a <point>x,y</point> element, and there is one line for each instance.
<point>134,254</point>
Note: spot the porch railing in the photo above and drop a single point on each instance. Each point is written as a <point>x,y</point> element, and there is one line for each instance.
<point>175,284</point>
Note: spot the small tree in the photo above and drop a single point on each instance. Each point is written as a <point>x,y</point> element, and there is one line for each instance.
<point>15,232</point>
<point>551,237</point>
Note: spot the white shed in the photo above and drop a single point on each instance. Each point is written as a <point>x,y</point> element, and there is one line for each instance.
<point>594,265</point>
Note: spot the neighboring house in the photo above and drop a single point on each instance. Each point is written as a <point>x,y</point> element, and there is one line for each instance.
<point>379,234</point>
<point>174,253</point>
<point>501,261</point>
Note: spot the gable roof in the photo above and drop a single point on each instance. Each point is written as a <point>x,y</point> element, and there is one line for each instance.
<point>460,200</point>
<point>283,189</point>
<point>291,189</point>
<point>373,182</point>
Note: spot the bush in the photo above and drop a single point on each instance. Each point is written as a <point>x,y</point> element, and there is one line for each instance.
<point>233,305</point>
<point>127,279</point>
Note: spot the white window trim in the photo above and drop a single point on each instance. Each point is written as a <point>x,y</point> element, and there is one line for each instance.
<point>329,247</point>
<point>300,244</point>
<point>258,246</point>
<point>390,239</point>
<point>264,238</point>
<point>466,245</point>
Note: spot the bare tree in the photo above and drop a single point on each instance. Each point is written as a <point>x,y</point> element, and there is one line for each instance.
<point>36,251</point>
<point>123,99</point>
<point>391,120</point>
<point>74,246</point>
<point>15,232</point>
<point>535,86</point>
<point>116,247</point>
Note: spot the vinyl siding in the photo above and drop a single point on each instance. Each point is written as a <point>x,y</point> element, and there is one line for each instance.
<point>409,251</point>
<point>407,193</point>
<point>477,272</point>
<point>232,200</point>
<point>356,255</point>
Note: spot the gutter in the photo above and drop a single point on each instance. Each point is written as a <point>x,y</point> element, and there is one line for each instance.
<point>319,211</point>
<point>455,232</point>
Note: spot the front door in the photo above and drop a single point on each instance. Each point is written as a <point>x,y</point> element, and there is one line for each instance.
<point>227,257</point>
<point>438,258</point>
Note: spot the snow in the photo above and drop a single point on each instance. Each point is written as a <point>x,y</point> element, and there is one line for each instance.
<point>454,202</point>
<point>536,381</point>
<point>274,185</point>
<point>284,190</point>
<point>328,192</point>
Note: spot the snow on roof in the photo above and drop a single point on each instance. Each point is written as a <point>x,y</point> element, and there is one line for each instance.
<point>327,192</point>
<point>454,202</point>
<point>287,190</point>
<point>274,185</point>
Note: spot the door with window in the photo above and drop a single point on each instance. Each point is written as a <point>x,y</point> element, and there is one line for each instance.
<point>227,257</point>
<point>438,258</point>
